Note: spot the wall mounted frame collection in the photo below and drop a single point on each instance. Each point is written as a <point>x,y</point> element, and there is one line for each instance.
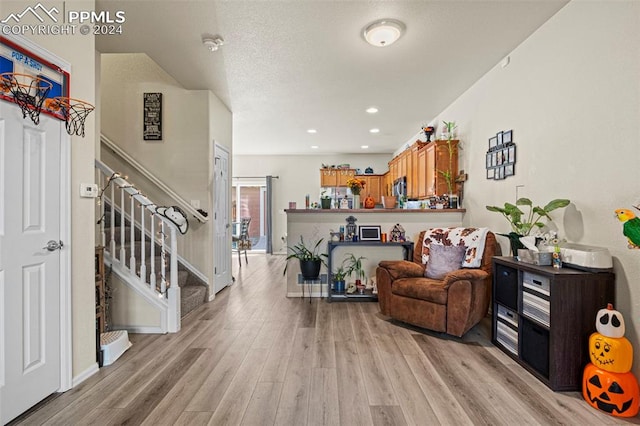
<point>501,156</point>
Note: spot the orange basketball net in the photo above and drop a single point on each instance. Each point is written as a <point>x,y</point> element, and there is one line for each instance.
<point>28,91</point>
<point>75,112</point>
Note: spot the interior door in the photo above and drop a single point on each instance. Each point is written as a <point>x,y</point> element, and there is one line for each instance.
<point>222,248</point>
<point>29,272</point>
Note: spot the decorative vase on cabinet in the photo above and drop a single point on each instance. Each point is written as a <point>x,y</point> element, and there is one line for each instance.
<point>356,201</point>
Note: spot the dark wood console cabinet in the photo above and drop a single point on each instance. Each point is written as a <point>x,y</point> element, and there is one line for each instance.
<point>542,317</point>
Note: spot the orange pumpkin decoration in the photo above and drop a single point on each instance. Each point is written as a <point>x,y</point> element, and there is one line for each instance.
<point>613,393</point>
<point>610,354</point>
<point>369,202</point>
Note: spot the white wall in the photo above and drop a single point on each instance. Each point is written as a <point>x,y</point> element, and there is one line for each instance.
<point>571,94</point>
<point>298,175</point>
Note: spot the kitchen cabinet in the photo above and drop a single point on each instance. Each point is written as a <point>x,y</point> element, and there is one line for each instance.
<point>328,177</point>
<point>372,186</point>
<point>393,168</point>
<point>387,184</point>
<point>335,177</point>
<point>413,169</point>
<point>432,159</point>
<point>421,168</point>
<point>542,317</point>
<point>344,175</point>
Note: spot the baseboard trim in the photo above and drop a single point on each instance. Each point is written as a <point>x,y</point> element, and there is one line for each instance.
<point>93,369</point>
<point>140,329</point>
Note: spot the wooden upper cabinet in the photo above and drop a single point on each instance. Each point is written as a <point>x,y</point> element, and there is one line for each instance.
<point>387,183</point>
<point>421,168</point>
<point>335,177</point>
<point>413,169</point>
<point>393,168</point>
<point>430,169</point>
<point>442,164</point>
<point>328,177</point>
<point>373,186</point>
<point>344,175</point>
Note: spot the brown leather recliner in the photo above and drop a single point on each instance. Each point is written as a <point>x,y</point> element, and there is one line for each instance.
<point>452,305</point>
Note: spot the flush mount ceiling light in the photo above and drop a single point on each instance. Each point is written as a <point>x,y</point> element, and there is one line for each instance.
<point>312,131</point>
<point>374,130</point>
<point>212,43</point>
<point>372,110</point>
<point>383,32</point>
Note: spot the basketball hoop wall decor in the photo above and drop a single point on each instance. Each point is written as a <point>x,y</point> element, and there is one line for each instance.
<point>75,112</point>
<point>152,117</point>
<point>30,81</point>
<point>28,91</point>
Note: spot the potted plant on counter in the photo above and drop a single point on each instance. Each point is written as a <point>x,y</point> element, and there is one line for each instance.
<point>522,224</point>
<point>325,200</point>
<point>310,259</point>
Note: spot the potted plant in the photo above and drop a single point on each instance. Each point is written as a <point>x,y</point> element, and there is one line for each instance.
<point>325,200</point>
<point>338,278</point>
<point>310,259</point>
<point>523,223</point>
<point>354,265</point>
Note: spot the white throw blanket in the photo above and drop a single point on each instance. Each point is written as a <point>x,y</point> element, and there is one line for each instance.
<point>471,238</point>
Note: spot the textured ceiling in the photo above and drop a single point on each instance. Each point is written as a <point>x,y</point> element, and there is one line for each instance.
<point>288,66</point>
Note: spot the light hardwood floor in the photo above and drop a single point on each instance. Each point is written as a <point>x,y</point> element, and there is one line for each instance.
<point>254,357</point>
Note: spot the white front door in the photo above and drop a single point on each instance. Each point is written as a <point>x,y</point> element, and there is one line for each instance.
<point>222,241</point>
<point>29,273</point>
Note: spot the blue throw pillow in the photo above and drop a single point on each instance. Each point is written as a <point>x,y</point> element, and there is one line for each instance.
<point>443,259</point>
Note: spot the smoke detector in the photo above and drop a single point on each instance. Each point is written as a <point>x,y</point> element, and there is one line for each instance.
<point>213,43</point>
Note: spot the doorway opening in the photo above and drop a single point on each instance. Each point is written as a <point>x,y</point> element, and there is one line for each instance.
<point>249,200</point>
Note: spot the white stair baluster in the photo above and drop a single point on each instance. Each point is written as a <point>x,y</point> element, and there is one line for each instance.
<point>101,210</point>
<point>152,256</point>
<point>123,250</point>
<point>143,260</point>
<point>163,259</point>
<point>132,229</point>
<point>112,208</point>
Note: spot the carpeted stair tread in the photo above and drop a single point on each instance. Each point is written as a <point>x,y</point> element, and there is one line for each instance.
<point>191,296</point>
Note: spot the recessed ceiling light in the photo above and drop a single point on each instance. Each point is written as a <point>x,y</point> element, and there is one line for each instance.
<point>372,110</point>
<point>314,146</point>
<point>383,32</point>
<point>312,131</point>
<point>374,131</point>
<point>364,146</point>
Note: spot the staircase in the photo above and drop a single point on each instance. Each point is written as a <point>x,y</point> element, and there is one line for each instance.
<point>140,242</point>
<point>193,291</point>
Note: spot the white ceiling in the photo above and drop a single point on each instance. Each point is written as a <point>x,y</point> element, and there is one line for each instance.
<point>288,66</point>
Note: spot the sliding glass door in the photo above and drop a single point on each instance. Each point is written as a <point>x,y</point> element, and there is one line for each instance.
<point>249,200</point>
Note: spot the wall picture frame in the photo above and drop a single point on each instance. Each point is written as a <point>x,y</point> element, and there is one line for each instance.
<point>491,173</point>
<point>369,232</point>
<point>507,137</point>
<point>500,136</point>
<point>493,143</point>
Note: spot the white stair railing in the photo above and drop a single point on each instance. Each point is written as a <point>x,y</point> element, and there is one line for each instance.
<point>121,248</point>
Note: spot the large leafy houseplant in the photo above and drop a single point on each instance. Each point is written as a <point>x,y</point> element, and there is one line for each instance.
<point>523,223</point>
<point>354,265</point>
<point>309,256</point>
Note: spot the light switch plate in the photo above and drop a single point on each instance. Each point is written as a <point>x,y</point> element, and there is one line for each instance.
<point>88,190</point>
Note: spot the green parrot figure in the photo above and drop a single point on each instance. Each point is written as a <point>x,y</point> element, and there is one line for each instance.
<point>631,227</point>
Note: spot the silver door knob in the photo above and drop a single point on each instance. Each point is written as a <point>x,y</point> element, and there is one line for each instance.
<point>53,245</point>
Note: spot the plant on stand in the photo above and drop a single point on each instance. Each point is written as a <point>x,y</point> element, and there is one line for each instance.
<point>356,185</point>
<point>522,224</point>
<point>338,277</point>
<point>310,259</point>
<point>354,265</point>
